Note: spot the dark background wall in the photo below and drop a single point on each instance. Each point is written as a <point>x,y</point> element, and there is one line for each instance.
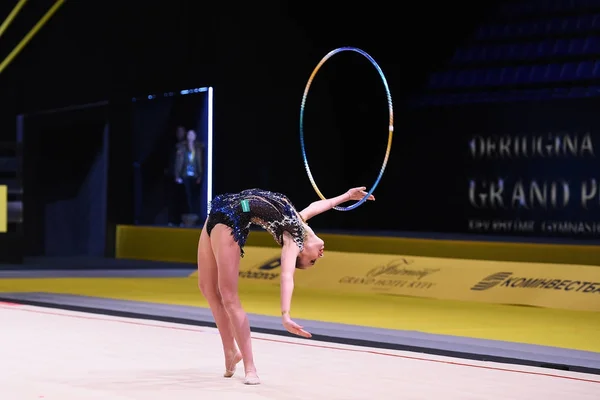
<point>258,57</point>
<point>65,182</point>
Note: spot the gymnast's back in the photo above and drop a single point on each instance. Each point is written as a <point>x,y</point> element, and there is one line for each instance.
<point>272,211</point>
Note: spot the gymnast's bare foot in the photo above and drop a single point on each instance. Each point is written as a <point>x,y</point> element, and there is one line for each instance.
<point>251,378</point>
<point>230,363</point>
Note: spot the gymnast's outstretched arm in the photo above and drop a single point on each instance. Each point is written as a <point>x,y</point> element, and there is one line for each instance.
<point>289,253</point>
<point>318,207</point>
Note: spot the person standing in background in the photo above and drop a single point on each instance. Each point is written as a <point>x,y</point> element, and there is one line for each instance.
<point>188,171</point>
<point>175,191</point>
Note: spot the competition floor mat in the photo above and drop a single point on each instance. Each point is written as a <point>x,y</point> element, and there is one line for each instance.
<point>100,357</point>
<point>558,339</point>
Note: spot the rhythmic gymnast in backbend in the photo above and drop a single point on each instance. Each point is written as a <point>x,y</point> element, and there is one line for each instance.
<point>222,243</point>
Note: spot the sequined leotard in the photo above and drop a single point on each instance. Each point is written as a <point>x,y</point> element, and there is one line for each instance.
<point>272,211</point>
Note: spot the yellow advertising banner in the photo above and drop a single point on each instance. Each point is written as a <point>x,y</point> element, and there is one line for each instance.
<point>573,287</point>
<point>3,208</point>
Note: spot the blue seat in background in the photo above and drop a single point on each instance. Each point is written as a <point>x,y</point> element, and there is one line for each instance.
<point>513,51</point>
<point>479,77</point>
<point>591,45</point>
<point>491,53</point>
<point>514,31</point>
<point>528,50</point>
<point>554,72</point>
<point>530,28</point>
<point>500,31</point>
<point>572,25</point>
<point>581,23</point>
<point>556,25</point>
<point>577,46</point>
<point>493,77</point>
<point>590,21</point>
<point>535,28</point>
<point>519,75</point>
<point>538,73</point>
<point>561,47</point>
<point>545,48</point>
<point>508,76</point>
<point>585,70</point>
<point>523,75</point>
<point>596,70</point>
<point>569,72</point>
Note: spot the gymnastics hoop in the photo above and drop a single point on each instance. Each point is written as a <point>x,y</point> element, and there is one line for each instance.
<point>390,133</point>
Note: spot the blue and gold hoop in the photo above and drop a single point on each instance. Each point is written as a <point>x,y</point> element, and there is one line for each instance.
<point>390,133</point>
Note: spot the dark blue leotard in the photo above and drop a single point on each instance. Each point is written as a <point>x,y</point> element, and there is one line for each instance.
<point>272,211</point>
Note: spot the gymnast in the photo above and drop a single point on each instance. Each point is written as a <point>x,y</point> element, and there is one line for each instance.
<point>221,246</point>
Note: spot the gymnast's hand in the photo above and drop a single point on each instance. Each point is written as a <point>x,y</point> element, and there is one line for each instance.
<point>294,328</point>
<point>358,193</point>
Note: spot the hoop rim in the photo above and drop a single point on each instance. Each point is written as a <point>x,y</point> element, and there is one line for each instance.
<point>390,131</point>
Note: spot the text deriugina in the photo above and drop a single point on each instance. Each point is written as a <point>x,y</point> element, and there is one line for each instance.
<point>547,146</point>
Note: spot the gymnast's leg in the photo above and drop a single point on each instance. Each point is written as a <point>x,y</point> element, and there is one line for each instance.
<point>227,253</point>
<point>208,283</point>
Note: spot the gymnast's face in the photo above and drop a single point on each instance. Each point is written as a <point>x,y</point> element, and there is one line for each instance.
<point>313,250</point>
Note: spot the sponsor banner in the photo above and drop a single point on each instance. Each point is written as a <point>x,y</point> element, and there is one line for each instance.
<point>573,287</point>
<point>3,209</point>
<point>174,244</point>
